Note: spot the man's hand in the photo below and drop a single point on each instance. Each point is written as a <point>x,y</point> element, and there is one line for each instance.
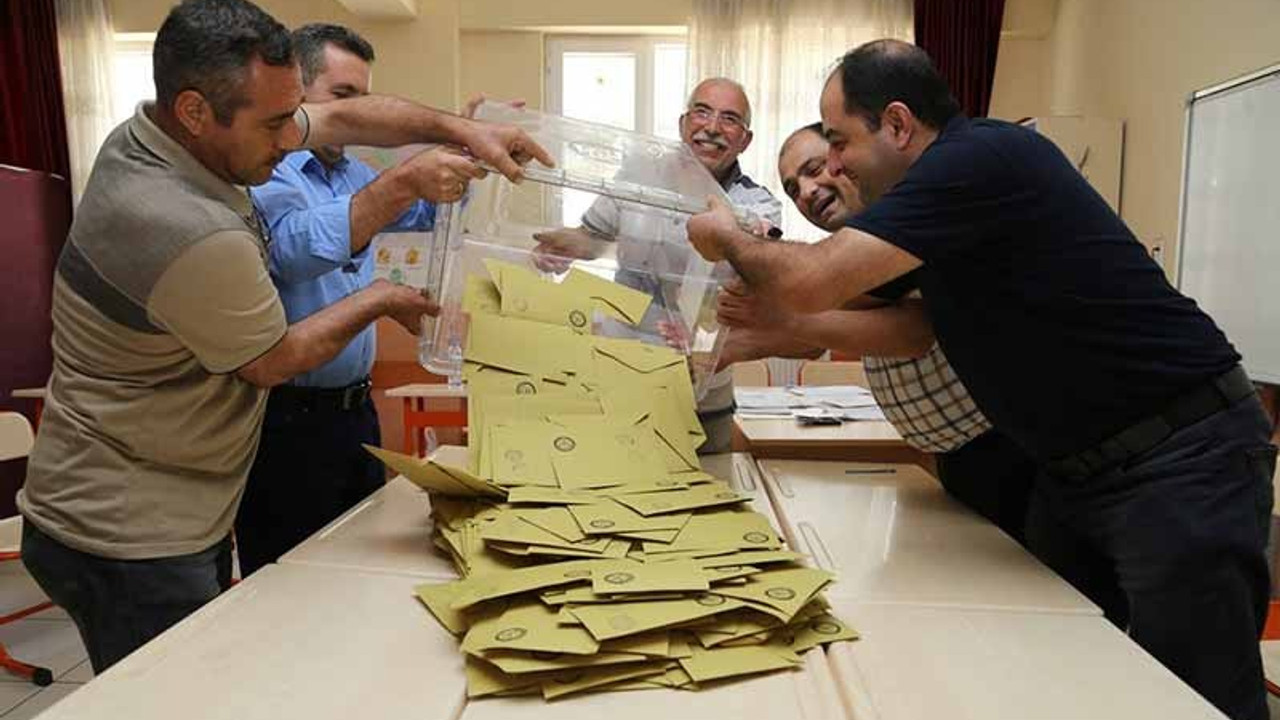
<point>710,231</point>
<point>557,249</point>
<point>406,305</point>
<point>439,175</point>
<point>737,307</point>
<point>505,147</point>
<point>469,110</point>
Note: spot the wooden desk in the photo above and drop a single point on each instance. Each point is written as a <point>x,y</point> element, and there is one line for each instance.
<point>807,694</point>
<point>862,440</point>
<point>417,417</point>
<point>389,532</point>
<point>894,536</point>
<point>918,662</point>
<point>288,642</point>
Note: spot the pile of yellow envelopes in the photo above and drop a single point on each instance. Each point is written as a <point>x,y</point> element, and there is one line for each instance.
<point>595,553</point>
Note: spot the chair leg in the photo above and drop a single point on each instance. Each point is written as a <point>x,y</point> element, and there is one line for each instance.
<point>38,675</point>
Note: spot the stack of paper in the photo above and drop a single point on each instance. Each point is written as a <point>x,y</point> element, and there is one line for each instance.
<point>595,553</point>
<point>846,402</point>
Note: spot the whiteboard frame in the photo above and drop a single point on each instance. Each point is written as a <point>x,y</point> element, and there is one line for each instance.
<point>1192,99</point>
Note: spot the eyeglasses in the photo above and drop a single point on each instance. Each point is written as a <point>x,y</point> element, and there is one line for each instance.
<point>729,120</point>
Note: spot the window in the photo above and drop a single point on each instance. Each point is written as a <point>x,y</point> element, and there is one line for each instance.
<point>631,82</point>
<point>131,73</point>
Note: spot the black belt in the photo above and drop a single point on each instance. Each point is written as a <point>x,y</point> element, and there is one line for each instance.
<point>1217,394</point>
<point>295,398</point>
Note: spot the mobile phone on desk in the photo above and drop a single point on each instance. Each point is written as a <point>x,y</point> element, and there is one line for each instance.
<point>809,419</point>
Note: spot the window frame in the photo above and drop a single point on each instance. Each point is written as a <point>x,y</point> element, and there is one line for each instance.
<point>643,46</point>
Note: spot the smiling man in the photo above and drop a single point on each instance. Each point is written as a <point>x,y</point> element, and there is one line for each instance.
<point>1155,492</point>
<point>907,371</point>
<point>716,126</point>
<point>168,331</point>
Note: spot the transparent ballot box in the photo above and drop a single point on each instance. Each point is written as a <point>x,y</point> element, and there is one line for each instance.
<point>615,208</point>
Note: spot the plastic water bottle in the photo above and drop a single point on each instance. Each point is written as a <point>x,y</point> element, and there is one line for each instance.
<point>455,363</point>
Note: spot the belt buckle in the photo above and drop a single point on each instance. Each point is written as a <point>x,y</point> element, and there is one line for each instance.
<point>355,395</point>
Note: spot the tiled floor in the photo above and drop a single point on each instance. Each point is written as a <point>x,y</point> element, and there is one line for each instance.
<point>48,639</point>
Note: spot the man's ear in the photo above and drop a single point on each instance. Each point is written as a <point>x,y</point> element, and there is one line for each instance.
<point>746,140</point>
<point>193,112</point>
<point>901,122</point>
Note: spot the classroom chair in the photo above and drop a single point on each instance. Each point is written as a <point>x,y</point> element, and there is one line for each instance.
<point>829,372</point>
<point>16,439</point>
<point>752,373</point>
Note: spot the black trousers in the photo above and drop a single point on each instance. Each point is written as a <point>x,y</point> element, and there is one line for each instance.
<point>1172,545</point>
<point>310,469</point>
<point>119,605</point>
<point>992,476</point>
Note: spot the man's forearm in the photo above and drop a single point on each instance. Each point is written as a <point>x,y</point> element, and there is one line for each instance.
<point>812,278</point>
<point>319,338</point>
<point>381,120</point>
<point>790,274</point>
<point>897,331</point>
<point>377,205</point>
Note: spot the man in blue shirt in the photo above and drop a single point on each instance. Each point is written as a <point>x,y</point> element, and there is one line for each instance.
<point>322,209</point>
<point>1155,490</point>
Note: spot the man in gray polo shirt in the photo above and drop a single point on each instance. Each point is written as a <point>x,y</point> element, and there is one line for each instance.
<point>168,331</point>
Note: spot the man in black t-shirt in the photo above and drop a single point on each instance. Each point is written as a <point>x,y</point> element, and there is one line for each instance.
<point>1155,490</point>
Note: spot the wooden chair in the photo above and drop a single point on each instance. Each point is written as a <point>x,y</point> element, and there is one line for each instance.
<point>16,440</point>
<point>753,373</point>
<point>828,372</point>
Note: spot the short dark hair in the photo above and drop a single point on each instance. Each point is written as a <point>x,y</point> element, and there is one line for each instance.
<point>813,127</point>
<point>206,45</point>
<point>885,71</point>
<point>309,42</point>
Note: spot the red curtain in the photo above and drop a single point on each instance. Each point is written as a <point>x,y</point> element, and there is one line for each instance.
<point>33,126</point>
<point>962,37</point>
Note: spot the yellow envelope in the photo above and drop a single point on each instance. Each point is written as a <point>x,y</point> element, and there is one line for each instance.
<point>532,298</point>
<point>589,453</point>
<point>615,620</point>
<point>481,296</point>
<point>486,680</point>
<point>436,477</point>
<point>545,351</point>
<point>700,496</point>
<point>624,303</point>
<point>532,495</point>
<point>787,590</point>
<point>627,576</point>
<point>821,630</point>
<point>519,663</point>
<point>707,665</point>
<point>436,598</point>
<point>518,454</point>
<point>610,518</point>
<point>527,625</point>
<point>717,531</point>
<point>489,587</point>
<point>510,528</point>
<point>585,679</point>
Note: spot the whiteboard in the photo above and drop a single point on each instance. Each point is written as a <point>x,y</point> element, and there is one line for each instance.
<point>1229,234</point>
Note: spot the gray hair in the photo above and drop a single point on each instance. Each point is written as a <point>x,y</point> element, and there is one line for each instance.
<point>722,81</point>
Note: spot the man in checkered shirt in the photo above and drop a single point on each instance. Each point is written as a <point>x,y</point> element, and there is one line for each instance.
<point>909,376</point>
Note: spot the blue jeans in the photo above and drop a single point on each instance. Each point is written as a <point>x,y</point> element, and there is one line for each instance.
<point>118,605</point>
<point>1172,547</point>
